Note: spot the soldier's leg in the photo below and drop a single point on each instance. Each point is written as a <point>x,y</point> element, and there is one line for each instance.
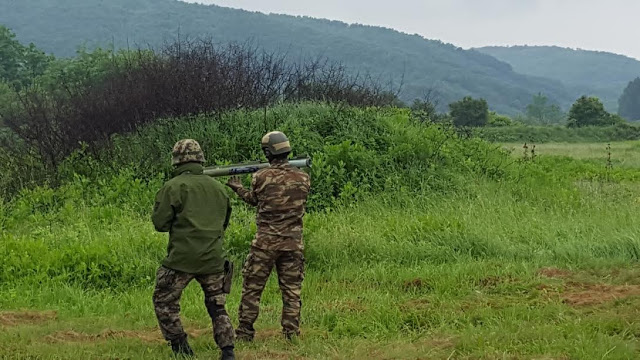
<point>215,300</point>
<point>166,301</point>
<point>255,274</point>
<point>290,268</point>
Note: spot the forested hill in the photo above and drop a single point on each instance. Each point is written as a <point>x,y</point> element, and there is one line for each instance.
<point>582,72</point>
<point>60,26</point>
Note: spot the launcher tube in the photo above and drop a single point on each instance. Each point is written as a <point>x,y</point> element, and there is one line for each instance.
<point>230,170</point>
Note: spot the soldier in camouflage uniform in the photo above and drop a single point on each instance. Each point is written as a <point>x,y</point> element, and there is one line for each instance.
<point>195,210</point>
<point>280,194</point>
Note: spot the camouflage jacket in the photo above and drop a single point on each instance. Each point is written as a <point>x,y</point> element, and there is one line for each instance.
<point>280,194</point>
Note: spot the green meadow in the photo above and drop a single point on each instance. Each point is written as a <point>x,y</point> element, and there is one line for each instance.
<point>419,245</point>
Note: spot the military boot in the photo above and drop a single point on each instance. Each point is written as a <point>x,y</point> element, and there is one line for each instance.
<point>181,347</point>
<point>227,354</point>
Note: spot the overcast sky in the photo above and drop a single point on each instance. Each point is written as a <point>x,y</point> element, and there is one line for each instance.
<point>587,24</point>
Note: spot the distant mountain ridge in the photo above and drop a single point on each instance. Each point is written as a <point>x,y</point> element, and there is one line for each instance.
<point>583,72</point>
<point>63,25</point>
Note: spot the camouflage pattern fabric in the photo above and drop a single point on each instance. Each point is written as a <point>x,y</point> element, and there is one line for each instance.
<point>166,299</point>
<point>257,267</point>
<point>187,150</point>
<point>280,194</point>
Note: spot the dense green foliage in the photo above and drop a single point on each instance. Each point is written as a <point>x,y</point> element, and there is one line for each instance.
<point>355,151</point>
<point>85,101</point>
<point>582,72</point>
<point>497,120</point>
<point>589,111</point>
<point>629,103</point>
<point>19,64</point>
<point>469,112</point>
<point>418,63</point>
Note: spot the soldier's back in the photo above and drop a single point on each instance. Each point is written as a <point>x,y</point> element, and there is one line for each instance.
<point>282,192</point>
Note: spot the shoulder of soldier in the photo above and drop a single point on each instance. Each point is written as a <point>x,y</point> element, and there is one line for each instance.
<point>170,184</point>
<point>300,173</point>
<point>217,184</point>
<point>262,173</point>
<point>175,182</point>
<point>293,174</point>
<point>185,181</point>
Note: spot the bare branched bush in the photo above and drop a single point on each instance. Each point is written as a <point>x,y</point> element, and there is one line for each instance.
<point>183,78</point>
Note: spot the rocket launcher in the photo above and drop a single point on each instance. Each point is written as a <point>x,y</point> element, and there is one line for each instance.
<point>248,168</point>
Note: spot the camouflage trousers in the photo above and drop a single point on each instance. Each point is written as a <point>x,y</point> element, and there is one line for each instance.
<point>166,300</point>
<point>257,268</point>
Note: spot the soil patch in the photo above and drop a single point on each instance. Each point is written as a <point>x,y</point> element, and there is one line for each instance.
<point>441,343</point>
<point>150,335</point>
<point>416,304</point>
<point>493,281</point>
<point>267,355</point>
<point>15,318</point>
<point>577,294</point>
<point>348,305</point>
<point>196,333</point>
<point>269,334</point>
<point>426,348</point>
<point>147,336</point>
<point>417,284</point>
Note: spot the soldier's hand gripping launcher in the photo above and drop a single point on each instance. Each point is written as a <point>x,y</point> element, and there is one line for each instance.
<point>248,168</point>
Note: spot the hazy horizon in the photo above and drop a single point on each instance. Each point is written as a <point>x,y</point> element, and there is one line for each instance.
<point>601,26</point>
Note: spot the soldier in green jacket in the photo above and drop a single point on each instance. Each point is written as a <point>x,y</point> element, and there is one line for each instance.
<point>279,193</point>
<point>195,210</point>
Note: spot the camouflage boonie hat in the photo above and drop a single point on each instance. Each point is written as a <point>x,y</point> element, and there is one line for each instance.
<point>186,150</point>
<point>276,142</point>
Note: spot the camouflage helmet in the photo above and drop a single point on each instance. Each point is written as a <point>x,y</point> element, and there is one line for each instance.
<point>276,142</point>
<point>186,150</point>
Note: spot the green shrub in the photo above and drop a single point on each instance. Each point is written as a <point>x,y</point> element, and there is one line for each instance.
<point>470,112</point>
<point>497,120</point>
<point>49,233</point>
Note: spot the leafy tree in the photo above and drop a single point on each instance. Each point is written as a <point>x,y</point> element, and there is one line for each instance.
<point>589,111</point>
<point>470,112</point>
<point>20,64</point>
<point>541,112</point>
<point>629,103</point>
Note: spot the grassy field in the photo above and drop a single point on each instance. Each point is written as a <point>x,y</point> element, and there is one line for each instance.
<point>491,274</point>
<point>540,264</point>
<point>625,154</point>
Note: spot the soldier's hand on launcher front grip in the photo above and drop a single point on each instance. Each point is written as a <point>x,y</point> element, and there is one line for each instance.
<point>234,183</point>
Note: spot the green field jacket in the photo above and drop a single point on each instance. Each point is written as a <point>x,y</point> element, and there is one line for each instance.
<point>195,210</point>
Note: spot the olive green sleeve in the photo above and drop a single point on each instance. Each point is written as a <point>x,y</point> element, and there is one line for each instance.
<point>164,210</point>
<point>228,217</point>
